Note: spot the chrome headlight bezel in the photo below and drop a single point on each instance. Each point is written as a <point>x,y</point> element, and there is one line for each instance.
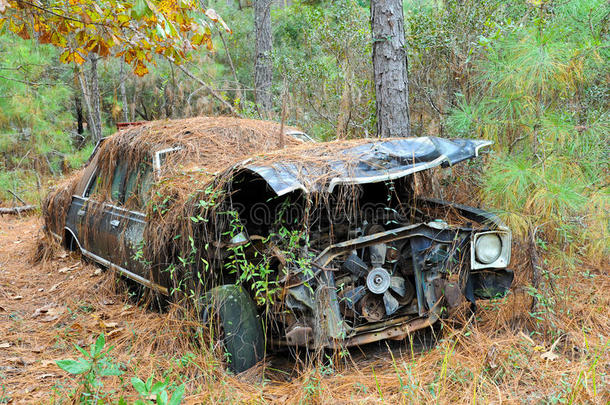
<point>503,258</point>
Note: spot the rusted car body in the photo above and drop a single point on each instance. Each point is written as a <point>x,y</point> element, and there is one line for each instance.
<point>378,262</point>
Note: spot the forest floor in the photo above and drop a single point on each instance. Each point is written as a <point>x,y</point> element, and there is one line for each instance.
<point>48,307</point>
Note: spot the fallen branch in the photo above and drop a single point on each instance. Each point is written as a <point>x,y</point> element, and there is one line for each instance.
<point>17,210</point>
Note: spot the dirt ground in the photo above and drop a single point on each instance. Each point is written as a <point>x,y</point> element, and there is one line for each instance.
<point>44,309</point>
<point>30,309</point>
<point>47,308</point>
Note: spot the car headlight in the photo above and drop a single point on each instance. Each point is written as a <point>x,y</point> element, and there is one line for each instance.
<point>488,248</point>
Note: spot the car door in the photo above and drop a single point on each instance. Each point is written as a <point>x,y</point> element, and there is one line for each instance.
<point>131,220</point>
<point>112,229</point>
<point>99,225</point>
<point>123,227</point>
<point>122,221</point>
<point>86,221</point>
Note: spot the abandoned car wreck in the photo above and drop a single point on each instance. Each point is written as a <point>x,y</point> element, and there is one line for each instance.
<point>328,241</point>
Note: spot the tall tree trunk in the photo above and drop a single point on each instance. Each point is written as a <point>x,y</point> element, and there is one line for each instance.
<point>263,68</point>
<point>122,79</point>
<point>390,68</point>
<point>79,115</point>
<point>91,95</point>
<point>95,96</point>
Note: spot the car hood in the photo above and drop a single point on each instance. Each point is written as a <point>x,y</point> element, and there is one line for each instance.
<point>370,162</point>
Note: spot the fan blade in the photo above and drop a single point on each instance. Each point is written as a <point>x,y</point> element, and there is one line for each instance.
<point>391,304</point>
<point>355,265</point>
<point>353,296</point>
<point>397,284</point>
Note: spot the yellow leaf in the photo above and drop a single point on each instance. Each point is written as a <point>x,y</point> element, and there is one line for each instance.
<point>58,40</point>
<point>91,44</point>
<point>13,26</point>
<point>78,58</point>
<point>197,39</point>
<point>140,69</point>
<point>65,57</point>
<point>123,19</point>
<point>103,50</point>
<point>82,37</point>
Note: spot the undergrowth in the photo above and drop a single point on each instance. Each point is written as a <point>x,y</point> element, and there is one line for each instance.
<point>97,364</point>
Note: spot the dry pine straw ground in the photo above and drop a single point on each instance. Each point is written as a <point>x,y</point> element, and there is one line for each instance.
<point>46,308</point>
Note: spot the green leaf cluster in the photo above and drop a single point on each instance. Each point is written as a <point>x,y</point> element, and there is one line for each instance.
<point>97,363</point>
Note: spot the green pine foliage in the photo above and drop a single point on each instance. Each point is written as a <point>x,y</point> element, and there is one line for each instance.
<point>35,118</point>
<point>544,100</point>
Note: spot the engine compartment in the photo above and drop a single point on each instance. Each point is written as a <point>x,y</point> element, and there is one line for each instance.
<point>372,257</point>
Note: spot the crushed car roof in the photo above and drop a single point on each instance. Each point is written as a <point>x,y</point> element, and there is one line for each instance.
<point>220,147</point>
<point>315,167</point>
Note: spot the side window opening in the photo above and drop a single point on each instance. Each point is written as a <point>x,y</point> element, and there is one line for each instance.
<point>92,186</point>
<point>118,179</point>
<point>146,180</point>
<point>131,185</point>
<point>138,184</point>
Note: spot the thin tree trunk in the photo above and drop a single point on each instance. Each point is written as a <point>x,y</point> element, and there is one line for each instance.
<point>263,68</point>
<point>134,100</point>
<point>345,106</point>
<point>122,79</point>
<point>84,87</point>
<point>79,115</point>
<point>283,114</point>
<point>390,68</point>
<point>95,97</point>
<point>91,97</point>
<point>238,94</point>
<point>535,262</point>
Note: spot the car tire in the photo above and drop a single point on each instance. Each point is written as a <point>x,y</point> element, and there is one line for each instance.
<point>229,310</point>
